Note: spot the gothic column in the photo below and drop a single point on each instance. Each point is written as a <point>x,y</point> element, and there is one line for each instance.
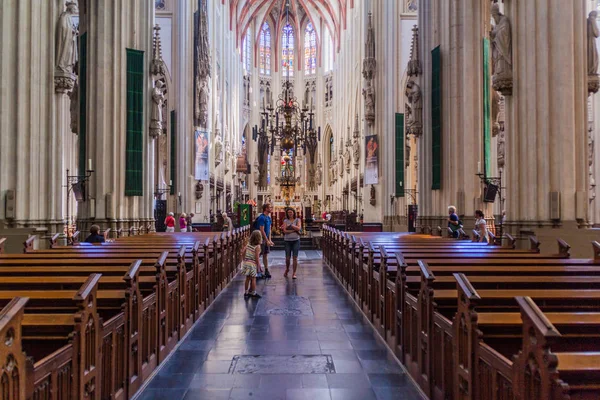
<point>546,135</point>
<point>459,29</point>
<point>112,28</point>
<point>62,147</point>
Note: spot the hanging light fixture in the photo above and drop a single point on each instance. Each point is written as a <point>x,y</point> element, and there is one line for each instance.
<point>286,122</point>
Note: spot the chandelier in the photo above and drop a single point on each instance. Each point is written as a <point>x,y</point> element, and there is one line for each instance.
<point>286,122</point>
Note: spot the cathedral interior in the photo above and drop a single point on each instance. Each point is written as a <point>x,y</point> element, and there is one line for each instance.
<point>402,133</point>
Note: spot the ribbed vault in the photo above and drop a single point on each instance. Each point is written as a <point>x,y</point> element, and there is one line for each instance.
<point>323,14</point>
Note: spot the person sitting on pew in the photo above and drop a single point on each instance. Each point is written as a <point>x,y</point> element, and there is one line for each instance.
<point>94,236</point>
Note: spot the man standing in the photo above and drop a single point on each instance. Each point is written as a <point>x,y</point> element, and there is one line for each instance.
<point>263,222</point>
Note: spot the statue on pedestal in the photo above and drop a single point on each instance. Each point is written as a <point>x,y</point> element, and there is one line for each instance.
<point>592,53</point>
<point>66,40</point>
<point>369,95</point>
<point>156,117</point>
<point>414,96</point>
<point>218,148</point>
<point>501,37</point>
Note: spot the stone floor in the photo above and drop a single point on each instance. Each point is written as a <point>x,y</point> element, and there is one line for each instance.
<point>302,340</point>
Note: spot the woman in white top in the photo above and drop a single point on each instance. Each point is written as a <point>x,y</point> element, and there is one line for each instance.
<point>291,229</point>
<point>481,227</point>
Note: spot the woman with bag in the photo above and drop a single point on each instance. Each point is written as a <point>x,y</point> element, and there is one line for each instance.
<point>291,228</point>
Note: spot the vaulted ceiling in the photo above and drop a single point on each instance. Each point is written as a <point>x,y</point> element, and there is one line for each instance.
<point>324,14</point>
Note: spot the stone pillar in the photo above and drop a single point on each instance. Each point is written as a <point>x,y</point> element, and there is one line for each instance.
<point>546,136</point>
<point>459,29</point>
<point>111,29</point>
<point>62,147</point>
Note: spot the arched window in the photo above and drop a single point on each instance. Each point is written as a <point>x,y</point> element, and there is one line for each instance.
<point>246,52</point>
<point>265,50</point>
<point>310,49</point>
<point>327,51</point>
<point>287,50</point>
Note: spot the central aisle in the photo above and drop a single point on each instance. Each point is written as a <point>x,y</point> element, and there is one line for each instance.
<point>302,340</point>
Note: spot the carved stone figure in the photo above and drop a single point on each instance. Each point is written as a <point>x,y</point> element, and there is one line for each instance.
<point>156,117</point>
<point>218,148</point>
<point>501,37</point>
<point>341,167</point>
<point>495,113</point>
<point>348,159</point>
<point>356,153</point>
<point>199,190</point>
<point>319,174</point>
<point>414,96</point>
<point>369,67</point>
<point>592,53</point>
<point>256,172</point>
<point>66,40</point>
<point>202,66</point>
<point>592,50</point>
<point>373,199</point>
<point>501,150</point>
<point>227,157</point>
<point>369,94</point>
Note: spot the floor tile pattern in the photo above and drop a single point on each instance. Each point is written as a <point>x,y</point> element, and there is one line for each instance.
<point>303,340</point>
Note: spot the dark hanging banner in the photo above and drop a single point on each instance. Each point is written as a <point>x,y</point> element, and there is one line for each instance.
<point>436,118</point>
<point>134,144</point>
<point>400,162</point>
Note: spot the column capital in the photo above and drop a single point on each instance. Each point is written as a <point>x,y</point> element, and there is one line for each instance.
<point>64,82</point>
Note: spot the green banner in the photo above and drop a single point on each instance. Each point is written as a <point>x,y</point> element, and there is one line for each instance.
<point>134,144</point>
<point>400,162</point>
<point>487,110</point>
<point>245,214</point>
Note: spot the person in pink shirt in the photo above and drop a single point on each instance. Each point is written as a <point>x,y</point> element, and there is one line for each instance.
<point>182,222</point>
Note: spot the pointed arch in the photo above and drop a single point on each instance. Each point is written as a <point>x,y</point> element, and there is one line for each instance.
<point>287,50</point>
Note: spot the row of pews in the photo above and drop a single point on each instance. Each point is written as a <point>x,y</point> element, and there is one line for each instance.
<point>476,321</point>
<point>94,321</point>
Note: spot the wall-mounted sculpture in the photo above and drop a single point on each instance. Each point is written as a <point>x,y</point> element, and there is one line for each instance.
<point>218,148</point>
<point>501,36</point>
<point>356,144</point>
<point>66,55</point>
<point>202,66</point>
<point>373,199</point>
<point>369,69</point>
<point>227,157</point>
<point>592,52</point>
<point>199,190</point>
<point>415,99</point>
<point>156,116</point>
<point>319,174</point>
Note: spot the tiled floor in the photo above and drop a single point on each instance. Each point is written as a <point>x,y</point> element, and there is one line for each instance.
<point>308,317</point>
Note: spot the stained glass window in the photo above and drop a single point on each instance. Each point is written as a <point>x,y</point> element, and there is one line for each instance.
<point>159,4</point>
<point>268,169</point>
<point>310,49</point>
<point>287,50</point>
<point>265,50</point>
<point>246,52</point>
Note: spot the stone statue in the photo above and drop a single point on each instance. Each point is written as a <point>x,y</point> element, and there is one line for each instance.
<point>501,150</point>
<point>414,96</point>
<point>256,172</point>
<point>227,157</point>
<point>592,50</point>
<point>341,167</point>
<point>495,113</point>
<point>202,65</point>
<point>156,117</point>
<point>218,148</point>
<point>66,40</point>
<point>501,37</point>
<point>348,158</point>
<point>319,174</point>
<point>356,152</point>
<point>369,94</point>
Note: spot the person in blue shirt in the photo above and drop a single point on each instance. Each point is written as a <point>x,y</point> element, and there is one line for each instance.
<point>95,236</point>
<point>263,223</point>
<point>453,223</point>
